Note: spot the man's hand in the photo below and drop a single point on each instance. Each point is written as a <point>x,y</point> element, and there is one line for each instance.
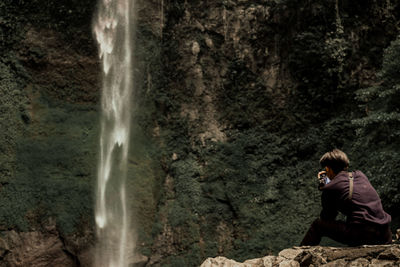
<point>320,174</point>
<point>321,180</point>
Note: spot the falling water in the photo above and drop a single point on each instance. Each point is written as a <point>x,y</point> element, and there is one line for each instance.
<point>112,27</point>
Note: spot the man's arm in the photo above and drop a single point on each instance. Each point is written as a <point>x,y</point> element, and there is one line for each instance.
<point>329,209</point>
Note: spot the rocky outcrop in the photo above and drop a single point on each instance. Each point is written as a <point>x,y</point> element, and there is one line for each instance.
<point>45,247</point>
<point>34,249</point>
<point>382,255</point>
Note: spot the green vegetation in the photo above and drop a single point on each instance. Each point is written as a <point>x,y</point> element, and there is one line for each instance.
<point>48,148</point>
<point>378,129</point>
<point>53,170</point>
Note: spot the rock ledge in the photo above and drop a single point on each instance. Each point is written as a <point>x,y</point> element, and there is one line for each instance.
<point>382,256</point>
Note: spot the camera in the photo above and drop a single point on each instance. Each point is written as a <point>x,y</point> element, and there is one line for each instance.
<point>324,179</point>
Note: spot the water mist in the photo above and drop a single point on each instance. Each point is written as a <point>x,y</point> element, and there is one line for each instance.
<point>113,27</point>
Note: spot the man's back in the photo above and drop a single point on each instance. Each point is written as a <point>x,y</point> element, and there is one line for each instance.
<point>364,205</point>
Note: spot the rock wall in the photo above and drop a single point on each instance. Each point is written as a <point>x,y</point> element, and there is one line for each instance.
<point>252,94</point>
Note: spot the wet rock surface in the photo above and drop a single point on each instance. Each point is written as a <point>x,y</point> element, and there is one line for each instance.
<point>364,256</point>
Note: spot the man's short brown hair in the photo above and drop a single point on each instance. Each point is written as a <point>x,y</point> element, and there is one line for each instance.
<point>336,159</point>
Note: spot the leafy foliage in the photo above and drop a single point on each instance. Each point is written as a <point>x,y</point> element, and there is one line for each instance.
<point>53,173</point>
<point>378,130</point>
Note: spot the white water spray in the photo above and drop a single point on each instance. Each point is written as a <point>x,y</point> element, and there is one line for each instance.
<point>112,28</point>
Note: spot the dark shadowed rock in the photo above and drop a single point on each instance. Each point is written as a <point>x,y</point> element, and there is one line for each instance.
<point>391,253</point>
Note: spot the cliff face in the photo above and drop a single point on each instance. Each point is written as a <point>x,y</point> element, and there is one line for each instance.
<point>235,102</point>
<point>256,92</point>
<point>49,132</point>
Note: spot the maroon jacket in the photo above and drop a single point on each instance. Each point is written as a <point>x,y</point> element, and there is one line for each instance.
<point>364,207</point>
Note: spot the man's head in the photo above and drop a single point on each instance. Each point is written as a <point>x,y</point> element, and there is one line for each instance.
<point>336,160</point>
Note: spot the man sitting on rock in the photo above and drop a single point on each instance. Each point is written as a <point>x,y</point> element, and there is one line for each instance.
<point>351,194</point>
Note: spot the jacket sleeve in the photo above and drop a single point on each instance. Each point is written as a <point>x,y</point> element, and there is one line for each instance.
<point>329,209</point>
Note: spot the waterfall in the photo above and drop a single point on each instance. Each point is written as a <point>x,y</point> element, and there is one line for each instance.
<point>112,28</point>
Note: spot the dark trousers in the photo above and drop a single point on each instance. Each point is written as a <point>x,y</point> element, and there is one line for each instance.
<point>352,234</point>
